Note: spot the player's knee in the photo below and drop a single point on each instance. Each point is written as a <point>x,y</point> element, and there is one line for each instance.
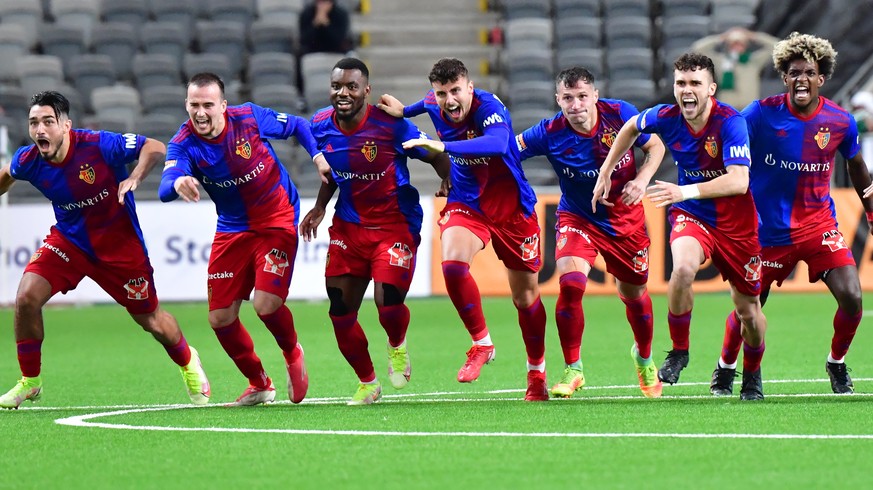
<point>28,301</point>
<point>337,306</point>
<point>683,274</point>
<point>221,318</point>
<point>850,300</point>
<point>392,295</point>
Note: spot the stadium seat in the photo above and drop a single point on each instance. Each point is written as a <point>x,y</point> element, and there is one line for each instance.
<point>65,42</point>
<point>168,100</point>
<point>27,14</point>
<point>90,71</point>
<point>531,95</point>
<point>77,101</point>
<point>626,8</point>
<point>315,69</point>
<point>520,9</point>
<point>589,58</point>
<point>224,37</point>
<point>578,32</point>
<point>40,72</point>
<point>727,20</point>
<point>280,98</point>
<point>155,70</point>
<point>577,8</point>
<point>83,14</point>
<point>182,12</point>
<point>12,47</point>
<point>530,64</point>
<point>628,32</point>
<point>134,13</point>
<point>680,32</point>
<point>207,62</point>
<point>285,12</point>
<point>268,35</point>
<point>272,69</point>
<point>15,102</point>
<point>118,41</point>
<point>106,122</point>
<point>117,102</point>
<point>159,126</point>
<point>639,92</point>
<point>240,11</point>
<point>520,33</point>
<point>675,8</point>
<point>168,38</point>
<point>630,63</point>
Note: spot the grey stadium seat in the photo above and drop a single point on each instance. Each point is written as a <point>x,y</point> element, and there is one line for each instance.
<point>626,8</point>
<point>628,32</point>
<point>182,12</point>
<point>155,70</point>
<point>280,98</point>
<point>169,100</point>
<point>315,69</point>
<point>91,71</point>
<point>272,69</point>
<point>40,72</point>
<point>578,32</point>
<point>576,8</point>
<point>211,62</point>
<point>77,13</point>
<point>241,11</point>
<point>518,9</point>
<point>271,36</point>
<point>674,8</point>
<point>639,92</point>
<point>520,33</point>
<point>27,14</point>
<point>630,63</point>
<point>12,47</point>
<point>224,37</point>
<point>117,102</point>
<point>281,11</point>
<point>529,65</point>
<point>589,58</point>
<point>134,13</point>
<point>65,42</point>
<point>168,38</point>
<point>531,95</point>
<point>119,42</point>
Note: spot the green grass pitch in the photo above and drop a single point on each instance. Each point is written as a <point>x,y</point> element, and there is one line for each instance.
<point>437,433</point>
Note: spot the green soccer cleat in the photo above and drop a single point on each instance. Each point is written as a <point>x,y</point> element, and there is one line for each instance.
<point>367,394</point>
<point>572,381</point>
<point>650,384</point>
<point>25,389</point>
<point>399,367</point>
<point>195,380</point>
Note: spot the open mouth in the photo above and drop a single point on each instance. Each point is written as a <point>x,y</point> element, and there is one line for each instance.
<point>344,104</point>
<point>201,124</point>
<point>454,111</point>
<point>689,103</point>
<point>43,144</point>
<point>801,92</point>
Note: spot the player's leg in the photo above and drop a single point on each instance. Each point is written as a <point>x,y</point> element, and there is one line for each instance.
<point>753,326</point>
<point>844,284</point>
<point>638,309</point>
<point>570,320</point>
<point>346,293</point>
<point>688,254</point>
<point>532,320</point>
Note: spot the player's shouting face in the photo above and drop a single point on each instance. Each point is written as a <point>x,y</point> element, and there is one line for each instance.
<point>803,81</point>
<point>348,93</point>
<point>206,105</point>
<point>578,103</point>
<point>692,90</point>
<point>454,98</point>
<point>49,131</point>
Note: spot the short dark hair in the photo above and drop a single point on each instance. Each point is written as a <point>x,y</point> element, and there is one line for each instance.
<point>205,78</point>
<point>447,70</point>
<point>571,76</point>
<point>694,61</point>
<point>353,64</point>
<point>53,99</point>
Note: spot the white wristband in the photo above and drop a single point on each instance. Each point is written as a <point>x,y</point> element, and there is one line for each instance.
<point>689,191</point>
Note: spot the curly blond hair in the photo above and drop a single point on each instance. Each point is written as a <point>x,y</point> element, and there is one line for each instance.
<point>808,47</point>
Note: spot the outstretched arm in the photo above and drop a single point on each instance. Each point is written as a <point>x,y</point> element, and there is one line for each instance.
<point>732,183</point>
<point>634,190</point>
<point>151,153</point>
<point>6,180</point>
<point>624,140</point>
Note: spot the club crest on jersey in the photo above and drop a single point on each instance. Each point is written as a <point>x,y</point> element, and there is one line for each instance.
<point>680,226</point>
<point>711,146</point>
<point>369,150</point>
<point>276,262</point>
<point>35,256</point>
<point>87,173</point>
<point>244,148</point>
<point>530,248</point>
<point>562,242</point>
<point>471,134</point>
<point>608,139</point>
<point>445,218</point>
<point>823,137</point>
<point>833,240</point>
<point>137,289</point>
<point>400,255</point>
<point>641,260</point>
<point>753,269</point>
<point>208,293</point>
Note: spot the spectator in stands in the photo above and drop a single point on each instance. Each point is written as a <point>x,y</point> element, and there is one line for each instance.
<point>324,28</point>
<point>862,110</point>
<point>739,56</point>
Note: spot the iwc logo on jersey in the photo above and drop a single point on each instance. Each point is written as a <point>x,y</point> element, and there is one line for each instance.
<point>369,150</point>
<point>86,173</point>
<point>833,240</point>
<point>400,255</point>
<point>823,137</point>
<point>608,139</point>
<point>530,248</point>
<point>276,262</point>
<point>753,269</point>
<point>137,289</point>
<point>641,260</point>
<point>711,146</point>
<point>243,148</point>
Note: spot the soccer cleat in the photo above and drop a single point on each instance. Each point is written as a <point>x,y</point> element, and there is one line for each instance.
<point>25,389</point>
<point>841,382</point>
<point>367,394</point>
<point>675,362</point>
<point>722,381</point>
<point>650,384</point>
<point>536,387</point>
<point>399,368</point>
<point>572,381</point>
<point>477,356</point>
<point>298,378</point>
<point>753,388</point>
<point>255,396</point>
<point>195,379</point>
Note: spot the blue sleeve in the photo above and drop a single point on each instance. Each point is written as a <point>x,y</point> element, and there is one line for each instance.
<point>178,164</point>
<point>405,130</point>
<point>414,109</point>
<point>17,171</point>
<point>120,149</point>
<point>533,141</point>
<point>851,144</point>
<point>493,143</point>
<point>627,110</point>
<point>735,138</point>
<point>648,120</point>
<point>751,114</point>
<point>279,125</point>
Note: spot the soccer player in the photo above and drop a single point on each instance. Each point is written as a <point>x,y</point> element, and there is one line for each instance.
<point>490,199</point>
<point>97,235</point>
<point>225,149</point>
<point>794,138</point>
<point>712,213</point>
<point>376,228</point>
<point>576,141</point>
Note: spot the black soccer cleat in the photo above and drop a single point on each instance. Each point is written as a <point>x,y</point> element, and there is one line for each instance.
<point>753,388</point>
<point>675,362</point>
<point>841,382</point>
<point>722,381</point>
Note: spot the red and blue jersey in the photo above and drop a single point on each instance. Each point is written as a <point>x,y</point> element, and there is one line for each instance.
<point>83,190</point>
<point>239,169</point>
<point>705,155</point>
<point>792,163</point>
<point>369,166</point>
<point>486,174</point>
<point>577,157</point>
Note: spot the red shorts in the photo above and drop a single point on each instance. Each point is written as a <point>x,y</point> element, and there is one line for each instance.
<point>822,251</point>
<point>516,240</point>
<point>386,255</point>
<point>736,256</point>
<point>626,257</point>
<point>130,283</point>
<point>239,262</point>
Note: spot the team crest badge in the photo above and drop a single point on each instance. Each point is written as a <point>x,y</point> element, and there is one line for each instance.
<point>562,242</point>
<point>244,148</point>
<point>445,219</point>
<point>276,262</point>
<point>530,248</point>
<point>400,255</point>
<point>209,293</point>
<point>711,146</point>
<point>87,173</point>
<point>36,255</point>
<point>471,134</point>
<point>823,137</point>
<point>369,150</point>
<point>641,260</point>
<point>753,269</point>
<point>608,139</point>
<point>137,289</point>
<point>679,227</point>
<point>834,240</point>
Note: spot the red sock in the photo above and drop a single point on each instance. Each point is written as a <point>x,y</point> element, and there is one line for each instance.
<point>733,339</point>
<point>180,353</point>
<point>237,342</point>
<point>752,357</point>
<point>680,329</point>
<point>845,326</point>
<point>353,345</point>
<point>29,356</point>
<point>639,315</point>
<point>532,321</point>
<point>395,321</point>
<point>281,324</point>
<point>569,315</point>
<point>464,294</point>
